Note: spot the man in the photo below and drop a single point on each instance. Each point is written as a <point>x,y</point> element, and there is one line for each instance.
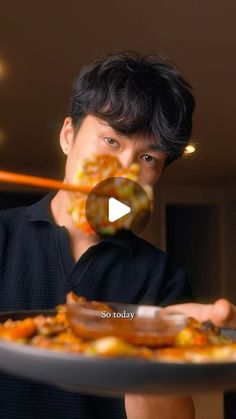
<point>139,109</point>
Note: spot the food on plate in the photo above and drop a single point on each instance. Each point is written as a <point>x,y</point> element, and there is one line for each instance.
<point>199,343</point>
<point>94,170</point>
<point>138,325</point>
<point>200,334</point>
<point>194,343</point>
<point>84,302</point>
<point>112,346</point>
<point>17,330</point>
<point>198,354</point>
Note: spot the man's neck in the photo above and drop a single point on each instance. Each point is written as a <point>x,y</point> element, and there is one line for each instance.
<point>59,208</point>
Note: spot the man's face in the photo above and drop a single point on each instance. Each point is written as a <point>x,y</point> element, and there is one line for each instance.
<point>95,136</point>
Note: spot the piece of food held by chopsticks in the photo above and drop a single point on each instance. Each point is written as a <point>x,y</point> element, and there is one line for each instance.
<point>91,172</point>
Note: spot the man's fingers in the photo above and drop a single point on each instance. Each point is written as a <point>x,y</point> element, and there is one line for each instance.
<point>223,314</point>
<point>201,312</point>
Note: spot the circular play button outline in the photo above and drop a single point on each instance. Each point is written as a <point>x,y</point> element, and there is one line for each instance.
<point>118,203</point>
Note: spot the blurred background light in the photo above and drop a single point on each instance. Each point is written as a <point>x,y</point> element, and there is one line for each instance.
<point>189,149</point>
<point>2,69</point>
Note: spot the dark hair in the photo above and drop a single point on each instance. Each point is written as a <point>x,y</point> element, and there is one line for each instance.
<point>136,93</point>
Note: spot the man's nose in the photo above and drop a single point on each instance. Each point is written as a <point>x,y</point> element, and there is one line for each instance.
<point>126,159</point>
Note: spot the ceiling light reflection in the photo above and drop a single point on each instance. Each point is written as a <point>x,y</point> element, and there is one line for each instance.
<point>2,69</point>
<point>189,149</point>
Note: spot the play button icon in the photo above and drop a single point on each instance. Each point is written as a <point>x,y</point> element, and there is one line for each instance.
<point>116,209</point>
<point>118,203</point>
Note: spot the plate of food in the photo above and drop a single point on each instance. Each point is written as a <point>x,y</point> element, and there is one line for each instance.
<point>112,349</point>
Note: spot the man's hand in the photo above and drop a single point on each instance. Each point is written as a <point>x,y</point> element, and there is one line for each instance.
<point>159,407</point>
<point>222,313</point>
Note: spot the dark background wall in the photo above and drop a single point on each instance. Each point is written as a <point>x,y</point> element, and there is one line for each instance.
<point>11,199</point>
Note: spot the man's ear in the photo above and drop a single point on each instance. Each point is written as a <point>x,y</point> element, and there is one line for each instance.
<point>67,136</point>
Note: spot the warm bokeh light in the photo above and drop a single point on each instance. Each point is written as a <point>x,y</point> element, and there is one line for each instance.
<point>2,69</point>
<point>189,149</point>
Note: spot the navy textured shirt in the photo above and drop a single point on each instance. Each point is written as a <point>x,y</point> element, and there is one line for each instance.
<point>36,272</point>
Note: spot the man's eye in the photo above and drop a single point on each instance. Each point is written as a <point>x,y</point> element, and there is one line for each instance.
<point>149,159</point>
<point>111,142</point>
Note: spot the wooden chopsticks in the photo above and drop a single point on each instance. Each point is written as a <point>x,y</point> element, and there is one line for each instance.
<point>40,182</point>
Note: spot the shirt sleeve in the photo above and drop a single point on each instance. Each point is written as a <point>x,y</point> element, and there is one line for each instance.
<point>175,287</point>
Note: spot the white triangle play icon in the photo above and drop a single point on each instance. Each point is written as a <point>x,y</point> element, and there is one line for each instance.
<point>117,209</point>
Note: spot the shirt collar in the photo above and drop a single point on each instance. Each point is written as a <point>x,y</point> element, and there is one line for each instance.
<point>125,239</point>
<point>41,211</point>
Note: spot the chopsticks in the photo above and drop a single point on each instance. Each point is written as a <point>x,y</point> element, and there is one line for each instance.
<point>41,182</point>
